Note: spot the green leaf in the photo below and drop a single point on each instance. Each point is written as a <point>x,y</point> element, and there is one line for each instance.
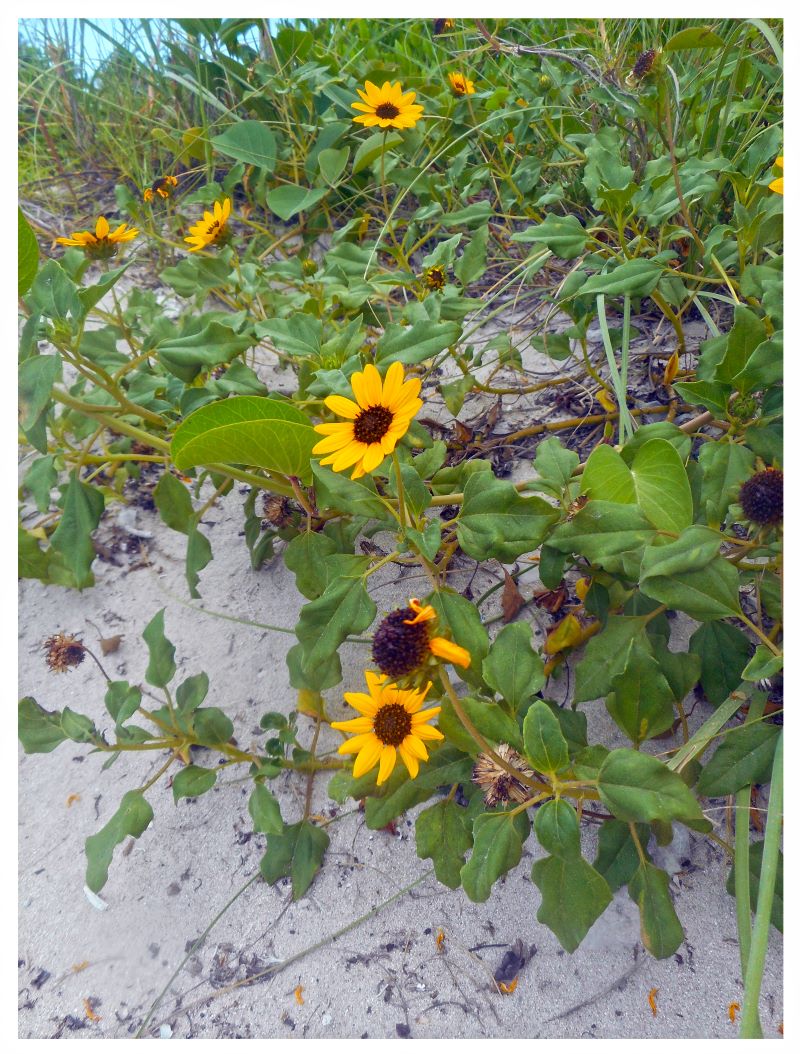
<point>191,693</point>
<point>445,767</point>
<point>371,149</point>
<point>213,344</point>
<point>747,333</point>
<point>444,835</point>
<point>605,656</point>
<point>359,497</point>
<point>131,819</point>
<point>161,667</point>
<point>287,201</point>
<point>472,262</point>
<point>491,721</point>
<point>744,756</point>
<point>332,163</point>
<point>574,896</point>
<point>40,479</point>
<point>35,380</point>
<point>416,343</point>
<point>77,727</point>
<point>555,463</point>
<point>661,929</point>
<point>246,430</point>
<point>754,866</point>
<point>662,486</point>
<point>39,730</point>
<point>198,556</point>
<point>498,839</point>
<point>710,593</point>
<point>725,467</point>
<point>193,781</point>
<point>344,608</point>
<point>712,395</point>
<point>606,476</point>
<point>764,664</point>
<point>635,786</point>
<point>512,667</point>
<point>300,334</point>
<point>173,502</point>
<point>694,37</point>
<point>496,522</point>
<point>564,236</point>
<point>248,141</point>
<point>122,701</point>
<point>265,811</point>
<point>83,507</point>
<point>295,853</point>
<point>641,700</point>
<point>634,278</point>
<point>695,549</point>
<point>212,727</point>
<point>723,651</point>
<point>617,859</point>
<point>545,745</point>
<point>27,255</point>
<point>305,556</point>
<point>558,830</point>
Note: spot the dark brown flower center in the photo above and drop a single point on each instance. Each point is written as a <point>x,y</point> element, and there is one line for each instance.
<point>387,110</point>
<point>392,724</point>
<point>399,649</point>
<point>372,424</point>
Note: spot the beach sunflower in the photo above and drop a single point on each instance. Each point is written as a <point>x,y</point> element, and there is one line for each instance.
<point>163,187</point>
<point>376,421</point>
<point>441,25</point>
<point>777,184</point>
<point>403,642</point>
<point>387,107</point>
<point>211,227</point>
<point>435,278</point>
<point>391,723</point>
<point>102,242</point>
<point>460,84</point>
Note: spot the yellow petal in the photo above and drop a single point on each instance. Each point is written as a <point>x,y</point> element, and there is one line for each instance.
<point>415,747</point>
<point>362,702</point>
<point>392,384</point>
<point>425,715</point>
<point>352,746</point>
<point>375,682</point>
<point>409,761</point>
<point>373,387</point>
<point>343,407</point>
<point>101,229</point>
<point>368,758</point>
<point>388,762</point>
<point>372,458</point>
<point>450,652</point>
<point>423,731</point>
<point>348,456</point>
<point>334,442</point>
<point>355,724</point>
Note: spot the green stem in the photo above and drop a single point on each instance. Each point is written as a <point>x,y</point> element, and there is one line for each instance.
<point>750,1027</point>
<point>401,497</point>
<point>741,870</point>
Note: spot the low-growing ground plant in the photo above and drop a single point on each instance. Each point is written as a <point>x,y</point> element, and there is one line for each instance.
<point>361,200</point>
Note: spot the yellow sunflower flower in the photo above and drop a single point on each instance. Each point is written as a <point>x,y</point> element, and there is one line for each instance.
<point>391,723</point>
<point>163,186</point>
<point>777,184</point>
<point>210,228</point>
<point>102,242</point>
<point>460,84</point>
<point>387,107</point>
<point>403,641</point>
<point>375,424</point>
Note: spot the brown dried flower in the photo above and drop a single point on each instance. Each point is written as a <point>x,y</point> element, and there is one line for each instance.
<point>64,652</point>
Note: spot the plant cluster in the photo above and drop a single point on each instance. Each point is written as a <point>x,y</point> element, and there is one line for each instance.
<point>362,220</point>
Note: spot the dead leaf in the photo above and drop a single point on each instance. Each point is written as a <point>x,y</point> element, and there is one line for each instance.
<point>108,645</point>
<point>512,600</point>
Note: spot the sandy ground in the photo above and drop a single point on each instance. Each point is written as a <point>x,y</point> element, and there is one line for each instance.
<point>95,971</point>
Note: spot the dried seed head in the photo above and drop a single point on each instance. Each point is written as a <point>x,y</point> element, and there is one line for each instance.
<point>278,510</point>
<point>63,652</point>
<point>644,63</point>
<point>397,648</point>
<point>761,497</point>
<point>498,785</point>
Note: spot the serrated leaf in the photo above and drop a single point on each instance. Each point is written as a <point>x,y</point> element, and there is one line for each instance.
<point>444,835</point>
<point>131,819</point>
<point>497,848</point>
<point>296,853</point>
<point>574,896</point>
<point>265,811</point>
<point>635,786</point>
<point>662,933</point>
<point>512,667</point>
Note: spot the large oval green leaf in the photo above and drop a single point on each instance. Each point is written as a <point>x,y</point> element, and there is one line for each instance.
<point>662,486</point>
<point>247,430</point>
<point>248,141</point>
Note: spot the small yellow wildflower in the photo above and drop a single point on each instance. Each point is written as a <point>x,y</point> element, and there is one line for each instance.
<point>163,187</point>
<point>387,106</point>
<point>460,84</point>
<point>777,184</point>
<point>211,228</point>
<point>391,723</point>
<point>101,243</point>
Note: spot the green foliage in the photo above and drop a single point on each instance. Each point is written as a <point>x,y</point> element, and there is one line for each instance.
<point>131,820</point>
